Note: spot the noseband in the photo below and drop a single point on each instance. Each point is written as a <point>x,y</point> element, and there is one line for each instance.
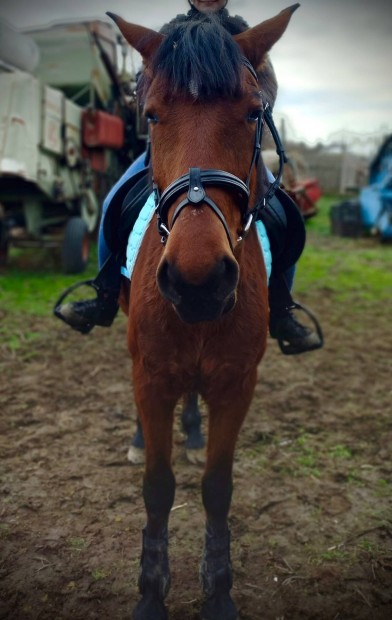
<point>196,180</point>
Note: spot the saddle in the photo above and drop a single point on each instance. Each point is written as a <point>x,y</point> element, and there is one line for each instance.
<point>281,218</point>
<point>285,228</point>
<point>124,209</point>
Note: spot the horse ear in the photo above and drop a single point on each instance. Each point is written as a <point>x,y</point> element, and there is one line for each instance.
<point>257,41</point>
<point>144,40</point>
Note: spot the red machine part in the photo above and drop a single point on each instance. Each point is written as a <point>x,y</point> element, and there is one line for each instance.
<point>102,130</point>
<point>306,193</point>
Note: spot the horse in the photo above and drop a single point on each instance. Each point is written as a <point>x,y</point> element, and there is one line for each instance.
<point>198,304</point>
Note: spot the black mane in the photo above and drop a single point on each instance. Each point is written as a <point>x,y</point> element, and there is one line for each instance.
<point>199,57</point>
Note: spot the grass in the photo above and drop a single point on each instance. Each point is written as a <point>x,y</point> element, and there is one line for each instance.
<point>78,544</point>
<point>316,455</point>
<point>33,281</point>
<point>5,531</point>
<point>99,574</point>
<point>340,452</point>
<point>384,488</point>
<point>347,269</point>
<point>335,555</point>
<point>29,288</point>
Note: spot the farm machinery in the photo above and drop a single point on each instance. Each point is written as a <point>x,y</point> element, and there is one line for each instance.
<point>376,199</point>
<point>371,212</point>
<point>69,127</point>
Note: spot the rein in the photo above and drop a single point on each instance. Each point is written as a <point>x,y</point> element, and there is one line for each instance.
<point>195,181</point>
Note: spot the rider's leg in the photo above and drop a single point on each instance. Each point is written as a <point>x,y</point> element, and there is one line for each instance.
<point>84,315</point>
<point>289,276</point>
<point>284,326</point>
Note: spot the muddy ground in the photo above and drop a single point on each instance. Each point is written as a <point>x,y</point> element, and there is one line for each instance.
<point>311,518</point>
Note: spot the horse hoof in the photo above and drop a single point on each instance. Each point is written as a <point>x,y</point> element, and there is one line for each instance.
<point>136,455</point>
<point>149,608</point>
<point>219,607</point>
<point>196,457</point>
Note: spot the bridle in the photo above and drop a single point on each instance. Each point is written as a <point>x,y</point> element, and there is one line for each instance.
<point>195,181</point>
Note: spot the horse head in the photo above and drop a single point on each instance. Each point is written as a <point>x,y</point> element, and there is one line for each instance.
<point>201,96</point>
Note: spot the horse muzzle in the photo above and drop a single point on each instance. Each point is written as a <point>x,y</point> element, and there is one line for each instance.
<point>207,300</point>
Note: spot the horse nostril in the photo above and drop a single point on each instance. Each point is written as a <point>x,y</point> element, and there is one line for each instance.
<point>224,277</point>
<point>166,278</point>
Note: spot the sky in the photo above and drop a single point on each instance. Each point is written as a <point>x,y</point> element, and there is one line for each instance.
<point>333,64</point>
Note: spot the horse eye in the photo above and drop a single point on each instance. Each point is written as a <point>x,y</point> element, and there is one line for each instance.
<point>151,118</point>
<point>254,115</point>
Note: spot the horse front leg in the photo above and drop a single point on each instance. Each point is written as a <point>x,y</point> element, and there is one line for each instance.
<point>156,416</point>
<point>225,419</point>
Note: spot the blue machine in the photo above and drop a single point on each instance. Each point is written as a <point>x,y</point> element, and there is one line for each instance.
<point>376,199</point>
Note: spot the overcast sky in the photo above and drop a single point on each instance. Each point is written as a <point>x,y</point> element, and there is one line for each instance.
<point>334,63</point>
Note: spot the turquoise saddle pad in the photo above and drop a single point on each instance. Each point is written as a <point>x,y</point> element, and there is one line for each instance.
<point>146,214</point>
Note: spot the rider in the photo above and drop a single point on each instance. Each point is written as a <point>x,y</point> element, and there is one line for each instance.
<point>84,315</point>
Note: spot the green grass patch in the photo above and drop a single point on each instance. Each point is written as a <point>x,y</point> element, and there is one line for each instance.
<point>32,282</point>
<point>320,223</point>
<point>348,269</point>
<point>307,456</point>
<point>78,544</point>
<point>384,488</point>
<point>372,548</point>
<point>340,452</point>
<point>29,288</point>
<point>5,531</point>
<point>335,555</point>
<point>99,574</point>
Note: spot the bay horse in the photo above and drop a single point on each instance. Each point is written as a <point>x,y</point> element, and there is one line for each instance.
<point>198,308</point>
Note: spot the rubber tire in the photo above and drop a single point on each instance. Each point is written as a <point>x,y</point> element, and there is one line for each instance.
<point>4,243</point>
<point>75,250</point>
<point>4,247</point>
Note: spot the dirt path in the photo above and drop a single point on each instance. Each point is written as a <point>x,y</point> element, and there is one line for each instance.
<point>311,516</point>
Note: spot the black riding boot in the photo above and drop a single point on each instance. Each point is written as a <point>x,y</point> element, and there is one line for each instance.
<point>292,336</point>
<point>84,315</point>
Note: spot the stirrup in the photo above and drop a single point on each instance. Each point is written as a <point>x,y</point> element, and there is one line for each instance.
<point>290,349</point>
<point>72,288</point>
<point>64,295</point>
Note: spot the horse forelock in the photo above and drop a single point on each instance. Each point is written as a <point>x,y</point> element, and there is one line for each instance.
<point>198,58</point>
